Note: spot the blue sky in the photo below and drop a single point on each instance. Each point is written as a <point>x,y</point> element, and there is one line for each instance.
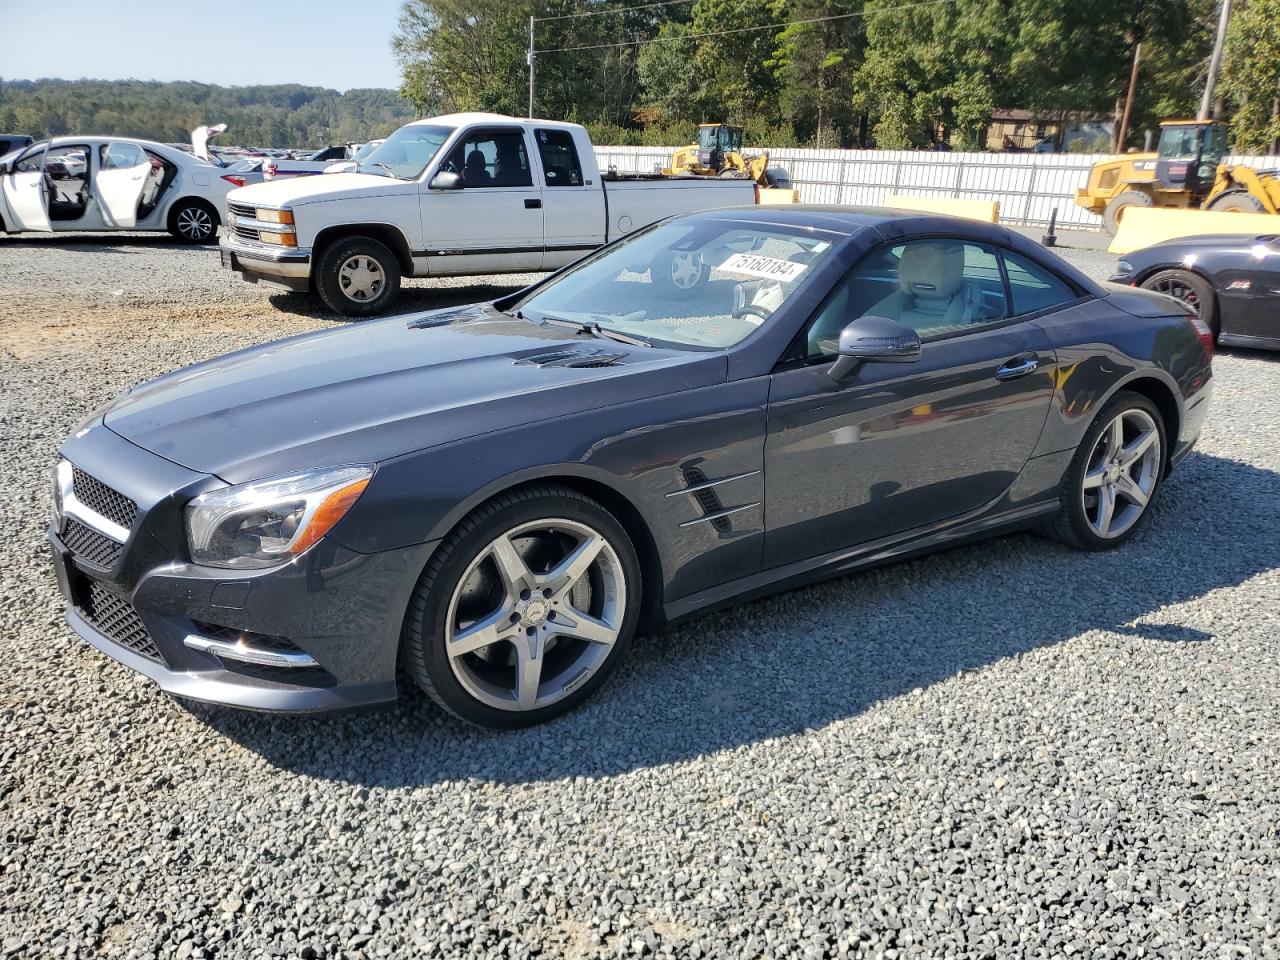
<point>329,43</point>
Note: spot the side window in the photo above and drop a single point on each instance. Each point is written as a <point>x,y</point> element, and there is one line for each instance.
<point>936,287</point>
<point>122,156</point>
<point>559,158</point>
<point>1033,287</point>
<point>491,158</point>
<point>31,163</point>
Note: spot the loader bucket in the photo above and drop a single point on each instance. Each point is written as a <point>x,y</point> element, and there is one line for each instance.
<point>1142,226</point>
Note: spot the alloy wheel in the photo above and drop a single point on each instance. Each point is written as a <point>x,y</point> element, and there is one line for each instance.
<point>194,223</point>
<point>361,278</point>
<point>535,614</point>
<point>1122,472</point>
<point>1179,290</point>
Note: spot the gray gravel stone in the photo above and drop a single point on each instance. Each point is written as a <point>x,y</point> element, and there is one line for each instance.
<point>1007,750</point>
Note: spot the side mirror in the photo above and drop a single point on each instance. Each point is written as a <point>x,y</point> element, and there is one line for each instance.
<point>874,340</point>
<point>4,168</point>
<point>444,180</point>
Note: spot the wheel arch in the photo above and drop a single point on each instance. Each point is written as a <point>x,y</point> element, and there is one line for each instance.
<point>177,203</point>
<point>608,496</point>
<point>384,233</point>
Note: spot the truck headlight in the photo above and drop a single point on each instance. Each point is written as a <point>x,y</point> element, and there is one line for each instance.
<point>274,216</point>
<point>267,522</point>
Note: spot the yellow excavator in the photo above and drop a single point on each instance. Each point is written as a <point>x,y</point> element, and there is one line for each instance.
<point>718,153</point>
<point>1186,171</point>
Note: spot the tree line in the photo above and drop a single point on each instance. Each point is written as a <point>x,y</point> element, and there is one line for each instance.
<point>840,73</point>
<point>285,115</point>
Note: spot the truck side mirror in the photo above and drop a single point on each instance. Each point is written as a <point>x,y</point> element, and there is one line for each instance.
<point>444,180</point>
<point>874,339</point>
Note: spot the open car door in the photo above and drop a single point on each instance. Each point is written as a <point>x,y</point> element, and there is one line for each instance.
<point>119,182</point>
<point>26,193</point>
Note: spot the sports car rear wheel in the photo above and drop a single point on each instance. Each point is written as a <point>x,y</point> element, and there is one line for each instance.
<point>1113,477</point>
<point>524,609</point>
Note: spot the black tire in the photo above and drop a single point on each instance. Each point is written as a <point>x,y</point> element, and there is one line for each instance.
<point>1192,289</point>
<point>193,221</point>
<point>1237,201</point>
<point>1115,208</point>
<point>670,272</point>
<point>329,283</point>
<point>1070,525</point>
<point>423,637</point>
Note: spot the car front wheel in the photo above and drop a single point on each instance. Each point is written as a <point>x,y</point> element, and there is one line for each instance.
<point>1113,477</point>
<point>1192,289</point>
<point>524,609</point>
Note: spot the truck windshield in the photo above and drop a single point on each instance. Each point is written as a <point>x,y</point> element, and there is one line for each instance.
<point>695,283</point>
<point>406,153</point>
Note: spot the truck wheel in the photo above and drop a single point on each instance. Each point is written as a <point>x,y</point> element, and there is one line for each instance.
<point>1115,209</point>
<point>193,221</point>
<point>678,274</point>
<point>358,277</point>
<point>1237,201</point>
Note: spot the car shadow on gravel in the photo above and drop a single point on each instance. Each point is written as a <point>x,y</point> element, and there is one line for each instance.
<point>814,656</point>
<point>95,242</point>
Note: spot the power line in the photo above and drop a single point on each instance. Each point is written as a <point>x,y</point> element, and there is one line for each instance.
<point>599,13</point>
<point>767,26</point>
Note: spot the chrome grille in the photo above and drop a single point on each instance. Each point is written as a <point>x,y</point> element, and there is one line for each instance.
<point>101,499</point>
<point>90,545</point>
<point>241,210</point>
<point>116,619</point>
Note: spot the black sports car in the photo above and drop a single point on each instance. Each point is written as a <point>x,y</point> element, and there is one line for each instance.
<point>1232,281</point>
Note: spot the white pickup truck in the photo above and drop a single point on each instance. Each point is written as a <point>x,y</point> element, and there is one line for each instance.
<point>468,193</point>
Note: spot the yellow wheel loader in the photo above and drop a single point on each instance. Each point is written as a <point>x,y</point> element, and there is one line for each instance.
<point>1186,171</point>
<point>718,153</point>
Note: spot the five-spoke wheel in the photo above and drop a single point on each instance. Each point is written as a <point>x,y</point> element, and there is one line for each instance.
<point>524,609</point>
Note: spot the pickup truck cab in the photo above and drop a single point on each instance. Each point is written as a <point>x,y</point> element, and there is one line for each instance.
<point>463,194</point>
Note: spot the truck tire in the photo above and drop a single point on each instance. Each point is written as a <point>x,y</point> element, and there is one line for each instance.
<point>357,277</point>
<point>1115,208</point>
<point>1237,201</point>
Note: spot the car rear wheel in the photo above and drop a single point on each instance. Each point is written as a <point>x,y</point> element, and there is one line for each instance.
<point>1115,209</point>
<point>358,277</point>
<point>524,609</point>
<point>1113,477</point>
<point>193,221</point>
<point>1192,289</point>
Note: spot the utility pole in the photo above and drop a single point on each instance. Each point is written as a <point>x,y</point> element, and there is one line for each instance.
<point>1215,62</point>
<point>1123,133</point>
<point>530,57</point>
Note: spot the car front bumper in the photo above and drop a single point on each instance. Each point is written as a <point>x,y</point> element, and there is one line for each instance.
<point>320,633</point>
<point>289,269</point>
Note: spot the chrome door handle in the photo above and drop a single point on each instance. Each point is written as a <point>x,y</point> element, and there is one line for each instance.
<point>1016,368</point>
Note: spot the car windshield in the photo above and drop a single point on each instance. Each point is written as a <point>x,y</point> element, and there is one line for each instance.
<point>694,283</point>
<point>406,153</point>
<point>367,149</point>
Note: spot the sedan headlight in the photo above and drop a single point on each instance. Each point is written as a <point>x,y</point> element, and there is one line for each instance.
<point>267,522</point>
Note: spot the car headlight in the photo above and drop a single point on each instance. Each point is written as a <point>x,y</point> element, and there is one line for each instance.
<point>1124,268</point>
<point>267,522</point>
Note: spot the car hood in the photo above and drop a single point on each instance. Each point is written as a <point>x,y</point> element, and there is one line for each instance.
<point>294,191</point>
<point>369,392</point>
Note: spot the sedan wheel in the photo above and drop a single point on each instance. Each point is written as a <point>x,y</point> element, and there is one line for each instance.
<point>1122,474</point>
<point>524,609</point>
<point>1192,289</point>
<point>192,223</point>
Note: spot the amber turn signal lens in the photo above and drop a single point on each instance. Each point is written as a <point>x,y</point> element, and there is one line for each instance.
<point>327,515</point>
<point>279,239</point>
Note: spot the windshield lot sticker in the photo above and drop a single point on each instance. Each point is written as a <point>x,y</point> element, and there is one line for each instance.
<point>768,268</point>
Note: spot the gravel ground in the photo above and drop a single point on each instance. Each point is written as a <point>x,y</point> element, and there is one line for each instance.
<point>1006,750</point>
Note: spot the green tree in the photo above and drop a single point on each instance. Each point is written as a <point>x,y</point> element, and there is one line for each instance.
<point>1251,76</point>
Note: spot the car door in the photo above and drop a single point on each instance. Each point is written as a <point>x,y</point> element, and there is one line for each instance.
<point>899,446</point>
<point>26,193</point>
<point>572,206</point>
<point>494,223</point>
<point>122,174</point>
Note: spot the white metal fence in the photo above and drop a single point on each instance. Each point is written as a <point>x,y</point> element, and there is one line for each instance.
<point>1027,185</point>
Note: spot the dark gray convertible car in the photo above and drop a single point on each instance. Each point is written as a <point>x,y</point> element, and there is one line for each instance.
<point>494,500</point>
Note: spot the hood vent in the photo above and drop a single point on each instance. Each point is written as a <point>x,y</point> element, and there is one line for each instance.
<point>574,357</point>
<point>437,318</point>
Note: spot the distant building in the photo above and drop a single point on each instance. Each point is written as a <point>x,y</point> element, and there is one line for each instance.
<point>1024,130</point>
